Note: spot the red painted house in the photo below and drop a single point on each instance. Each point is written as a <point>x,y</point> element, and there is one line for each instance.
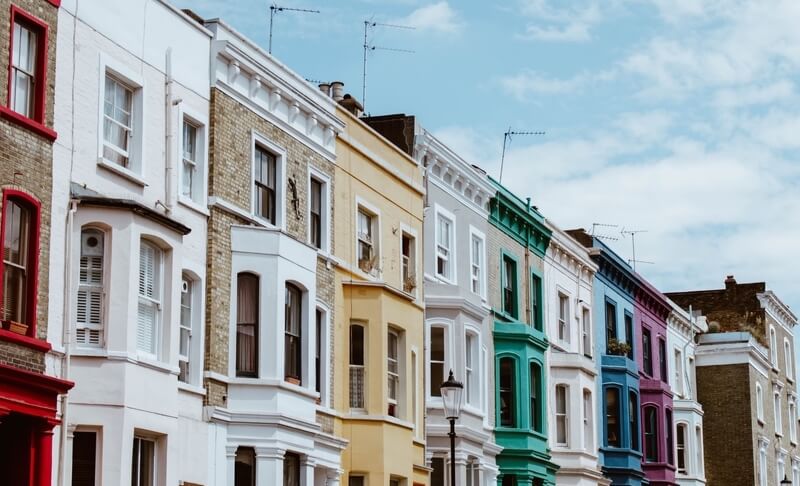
<point>28,394</point>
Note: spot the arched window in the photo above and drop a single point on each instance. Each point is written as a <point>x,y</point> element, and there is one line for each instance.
<point>536,397</point>
<point>681,448</point>
<point>20,234</point>
<point>787,358</point>
<point>91,287</point>
<point>588,443</point>
<point>773,347</point>
<point>244,472</point>
<point>507,393</point>
<point>293,353</point>
<point>150,296</point>
<point>613,436</point>
<point>633,419</point>
<point>247,325</point>
<point>759,402</point>
<point>562,418</point>
<point>357,355</point>
<point>670,440</point>
<point>651,433</point>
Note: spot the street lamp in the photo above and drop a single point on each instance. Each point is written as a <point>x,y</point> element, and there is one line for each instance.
<point>785,481</point>
<point>452,391</point>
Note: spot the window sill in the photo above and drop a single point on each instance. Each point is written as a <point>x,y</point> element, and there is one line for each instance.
<point>194,206</point>
<point>25,122</point>
<point>189,388</point>
<point>27,341</point>
<point>760,421</point>
<point>122,171</point>
<point>445,280</point>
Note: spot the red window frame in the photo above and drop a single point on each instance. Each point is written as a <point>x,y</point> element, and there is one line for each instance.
<point>35,123</point>
<point>33,259</point>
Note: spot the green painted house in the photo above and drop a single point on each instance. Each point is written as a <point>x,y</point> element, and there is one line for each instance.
<point>517,243</point>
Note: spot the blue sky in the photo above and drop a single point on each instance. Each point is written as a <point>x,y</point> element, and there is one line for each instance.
<point>679,117</point>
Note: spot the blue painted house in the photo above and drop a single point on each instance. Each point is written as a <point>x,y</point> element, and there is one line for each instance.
<point>615,340</point>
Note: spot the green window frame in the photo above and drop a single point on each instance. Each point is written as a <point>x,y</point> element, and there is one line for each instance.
<point>537,297</point>
<point>536,391</point>
<point>509,285</point>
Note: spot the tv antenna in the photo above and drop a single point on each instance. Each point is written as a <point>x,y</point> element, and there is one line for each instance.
<point>632,233</point>
<point>603,237</point>
<point>274,9</point>
<point>369,24</point>
<point>507,138</point>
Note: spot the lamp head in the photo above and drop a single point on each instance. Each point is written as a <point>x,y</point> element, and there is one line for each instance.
<point>452,392</point>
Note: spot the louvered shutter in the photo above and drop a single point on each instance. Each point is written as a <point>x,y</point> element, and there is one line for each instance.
<point>89,313</point>
<point>148,302</point>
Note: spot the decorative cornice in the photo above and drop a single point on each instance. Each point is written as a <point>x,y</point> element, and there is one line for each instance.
<point>779,311</point>
<point>519,220</point>
<point>565,252</point>
<point>271,89</point>
<point>450,171</point>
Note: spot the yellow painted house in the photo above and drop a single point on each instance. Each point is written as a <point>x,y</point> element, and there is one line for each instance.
<point>379,332</point>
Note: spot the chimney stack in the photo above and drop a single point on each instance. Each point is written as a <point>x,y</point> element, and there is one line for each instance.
<point>337,91</point>
<point>730,283</point>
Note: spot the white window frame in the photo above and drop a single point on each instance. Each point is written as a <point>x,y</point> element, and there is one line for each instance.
<point>258,139</point>
<point>195,357</point>
<point>475,234</point>
<point>762,462</point>
<point>102,288</point>
<point>325,205</point>
<point>561,416</point>
<point>375,213</point>
<point>325,361</point>
<point>197,201</point>
<point>787,359</point>
<point>792,419</point>
<point>406,230</point>
<point>154,458</point>
<point>363,367</point>
<point>773,347</point>
<point>451,266</point>
<point>447,327</point>
<point>759,403</point>
<point>678,367</point>
<point>778,416</point>
<point>157,301</point>
<point>397,375</point>
<point>563,330</point>
<point>588,415</point>
<point>686,449</point>
<point>472,371</point>
<point>136,161</point>
<point>795,472</point>
<point>586,332</point>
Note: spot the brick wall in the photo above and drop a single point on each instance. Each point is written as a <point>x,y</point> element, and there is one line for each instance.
<point>729,441</point>
<point>26,165</point>
<point>230,148</point>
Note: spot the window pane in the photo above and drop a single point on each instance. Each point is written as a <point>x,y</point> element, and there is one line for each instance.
<point>246,325</point>
<point>292,350</point>
<point>16,221</point>
<point>244,467</point>
<point>84,456</point>
<point>633,420</point>
<point>507,392</point>
<point>437,361</point>
<point>612,417</point>
<point>143,463</point>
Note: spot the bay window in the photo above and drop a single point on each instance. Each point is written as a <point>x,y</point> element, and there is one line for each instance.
<point>613,436</point>
<point>471,360</point>
<point>588,443</point>
<point>150,294</point>
<point>536,381</point>
<point>244,472</point>
<point>681,448</point>
<point>633,419</point>
<point>670,440</point>
<point>437,360</point>
<point>508,392</point>
<point>650,434</point>
<point>562,419</point>
<point>357,355</point>
<point>293,354</point>
<point>91,287</point>
<point>247,319</point>
<point>393,372</point>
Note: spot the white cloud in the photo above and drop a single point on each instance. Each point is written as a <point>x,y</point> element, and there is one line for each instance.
<point>757,94</point>
<point>437,17</point>
<point>527,83</point>
<point>559,24</point>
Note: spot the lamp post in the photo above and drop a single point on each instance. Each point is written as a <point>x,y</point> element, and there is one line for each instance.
<point>452,391</point>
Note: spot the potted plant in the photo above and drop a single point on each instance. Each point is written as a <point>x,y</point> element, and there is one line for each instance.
<point>16,327</point>
<point>410,283</point>
<point>618,348</point>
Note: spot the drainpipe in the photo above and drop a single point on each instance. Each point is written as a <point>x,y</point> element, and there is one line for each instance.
<point>531,318</point>
<point>169,137</point>
<point>66,338</point>
<point>686,376</point>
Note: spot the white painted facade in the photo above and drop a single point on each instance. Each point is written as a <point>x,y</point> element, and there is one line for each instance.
<point>123,350</point>
<point>268,413</point>
<point>456,308</point>
<point>572,365</point>
<point>688,413</point>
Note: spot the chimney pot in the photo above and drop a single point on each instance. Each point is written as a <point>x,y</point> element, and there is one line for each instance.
<point>337,90</point>
<point>730,282</point>
<point>325,88</point>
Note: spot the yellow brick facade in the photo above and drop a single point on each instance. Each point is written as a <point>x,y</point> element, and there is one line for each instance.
<point>373,173</point>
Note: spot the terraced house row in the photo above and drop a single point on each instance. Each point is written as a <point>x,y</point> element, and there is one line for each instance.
<point>216,273</point>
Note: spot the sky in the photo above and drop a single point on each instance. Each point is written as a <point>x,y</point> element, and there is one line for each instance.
<point>677,118</point>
